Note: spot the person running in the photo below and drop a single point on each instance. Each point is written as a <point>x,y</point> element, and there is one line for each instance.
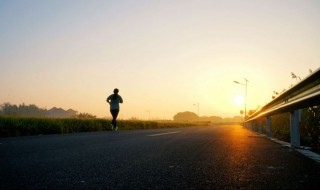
<point>114,100</point>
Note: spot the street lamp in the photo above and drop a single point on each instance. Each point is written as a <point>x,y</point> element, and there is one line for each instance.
<point>197,104</point>
<point>245,99</point>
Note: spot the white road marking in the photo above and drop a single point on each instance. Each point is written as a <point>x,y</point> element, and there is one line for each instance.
<point>159,134</point>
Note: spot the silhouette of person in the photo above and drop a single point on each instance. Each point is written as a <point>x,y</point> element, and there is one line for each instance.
<point>114,100</point>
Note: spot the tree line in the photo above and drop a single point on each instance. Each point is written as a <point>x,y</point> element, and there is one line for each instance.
<point>31,110</point>
<point>188,116</point>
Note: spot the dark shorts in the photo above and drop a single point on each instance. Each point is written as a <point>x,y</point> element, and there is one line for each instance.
<point>114,113</point>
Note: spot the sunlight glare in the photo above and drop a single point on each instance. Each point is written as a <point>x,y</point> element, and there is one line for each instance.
<point>239,100</point>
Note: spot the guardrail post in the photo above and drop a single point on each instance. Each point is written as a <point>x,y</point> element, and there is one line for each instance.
<point>268,126</point>
<point>260,127</point>
<point>294,128</point>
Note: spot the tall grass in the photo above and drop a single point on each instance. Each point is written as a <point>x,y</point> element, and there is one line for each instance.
<point>24,126</point>
<point>20,126</point>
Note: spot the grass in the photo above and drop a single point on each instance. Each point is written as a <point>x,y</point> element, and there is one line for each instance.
<point>25,126</point>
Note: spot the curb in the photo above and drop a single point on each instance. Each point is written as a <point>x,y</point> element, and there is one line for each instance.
<point>302,150</point>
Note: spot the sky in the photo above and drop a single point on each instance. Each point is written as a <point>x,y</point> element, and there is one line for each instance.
<point>164,56</point>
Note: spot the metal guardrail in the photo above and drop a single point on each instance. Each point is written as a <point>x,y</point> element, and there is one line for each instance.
<point>304,94</point>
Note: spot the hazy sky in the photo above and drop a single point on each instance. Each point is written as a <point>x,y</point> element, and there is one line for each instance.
<point>164,56</point>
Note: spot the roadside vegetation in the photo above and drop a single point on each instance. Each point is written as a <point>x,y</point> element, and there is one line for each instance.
<point>309,127</point>
<point>26,120</point>
<point>24,126</point>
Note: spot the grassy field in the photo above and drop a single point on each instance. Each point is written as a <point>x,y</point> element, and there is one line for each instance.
<point>24,126</point>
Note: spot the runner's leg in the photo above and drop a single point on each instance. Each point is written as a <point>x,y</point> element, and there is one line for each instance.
<point>114,114</point>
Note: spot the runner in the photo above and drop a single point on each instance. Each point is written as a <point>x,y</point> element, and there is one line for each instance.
<point>114,100</point>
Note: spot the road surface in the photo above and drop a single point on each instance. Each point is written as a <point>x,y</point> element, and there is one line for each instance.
<point>213,157</point>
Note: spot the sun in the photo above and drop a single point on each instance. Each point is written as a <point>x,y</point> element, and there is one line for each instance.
<point>239,100</point>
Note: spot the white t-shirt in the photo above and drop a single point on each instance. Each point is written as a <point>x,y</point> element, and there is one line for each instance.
<point>114,102</point>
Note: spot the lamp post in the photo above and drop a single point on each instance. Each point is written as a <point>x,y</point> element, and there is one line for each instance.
<point>198,105</point>
<point>245,99</point>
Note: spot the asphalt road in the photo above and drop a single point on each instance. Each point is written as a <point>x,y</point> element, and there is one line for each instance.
<point>214,157</point>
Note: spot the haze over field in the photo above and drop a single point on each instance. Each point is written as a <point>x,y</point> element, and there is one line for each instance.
<point>164,56</point>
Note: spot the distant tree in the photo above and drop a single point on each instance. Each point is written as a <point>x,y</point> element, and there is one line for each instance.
<point>204,118</point>
<point>8,109</point>
<point>22,110</point>
<point>227,119</point>
<point>237,119</point>
<point>31,111</point>
<point>185,116</point>
<point>86,116</point>
<point>190,116</point>
<point>215,119</point>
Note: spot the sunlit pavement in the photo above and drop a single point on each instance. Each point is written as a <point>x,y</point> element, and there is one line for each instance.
<point>213,157</point>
